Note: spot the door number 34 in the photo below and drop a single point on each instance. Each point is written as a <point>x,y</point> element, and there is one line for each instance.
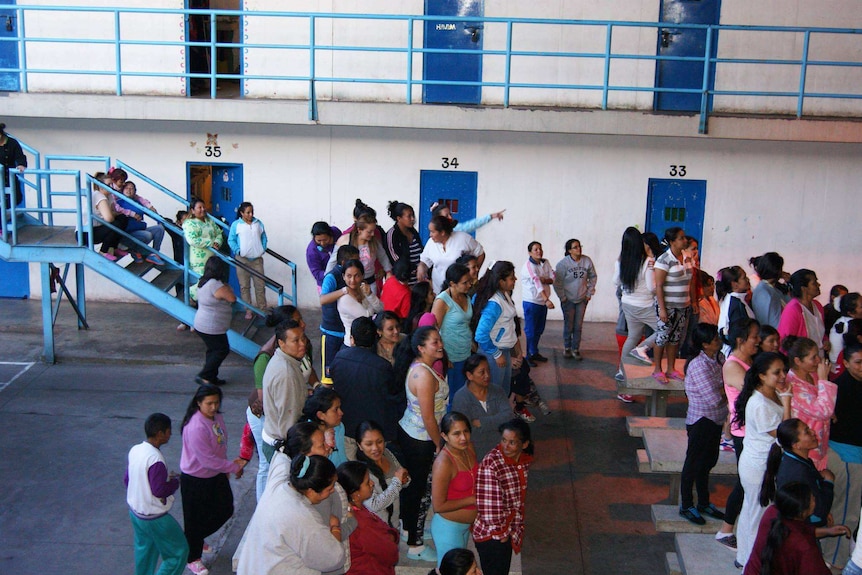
<point>449,163</point>
<point>677,170</point>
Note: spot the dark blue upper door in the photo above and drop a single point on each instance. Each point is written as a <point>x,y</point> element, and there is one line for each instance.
<point>457,67</point>
<point>676,203</point>
<point>682,42</point>
<point>454,189</point>
<point>9,81</point>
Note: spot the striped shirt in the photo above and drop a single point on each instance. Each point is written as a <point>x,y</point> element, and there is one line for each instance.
<point>676,293</point>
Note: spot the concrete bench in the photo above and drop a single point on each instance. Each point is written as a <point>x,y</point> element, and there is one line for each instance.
<point>668,520</point>
<point>639,381</point>
<point>701,555</point>
<point>671,563</point>
<point>665,449</point>
<point>635,425</point>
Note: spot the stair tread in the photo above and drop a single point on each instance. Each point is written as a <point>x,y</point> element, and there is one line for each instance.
<point>47,236</point>
<point>139,269</point>
<point>701,555</point>
<point>668,520</point>
<point>167,279</point>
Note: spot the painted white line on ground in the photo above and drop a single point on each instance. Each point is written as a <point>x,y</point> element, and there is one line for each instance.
<point>25,367</point>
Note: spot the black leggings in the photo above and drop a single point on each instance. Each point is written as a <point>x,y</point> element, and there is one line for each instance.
<point>106,236</point>
<point>495,557</point>
<point>207,505</point>
<point>704,436</point>
<point>416,497</point>
<point>218,348</point>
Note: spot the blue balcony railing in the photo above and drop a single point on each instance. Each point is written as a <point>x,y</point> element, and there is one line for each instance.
<point>590,64</point>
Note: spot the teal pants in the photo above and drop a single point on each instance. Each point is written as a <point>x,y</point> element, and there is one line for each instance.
<point>155,537</point>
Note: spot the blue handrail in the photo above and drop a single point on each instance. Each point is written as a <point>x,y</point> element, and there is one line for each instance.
<point>511,76</point>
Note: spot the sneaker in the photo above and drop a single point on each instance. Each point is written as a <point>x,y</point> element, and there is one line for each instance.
<point>692,515</point>
<point>620,376</point>
<point>640,355</point>
<point>139,259</point>
<point>726,445</point>
<point>155,260</point>
<point>423,553</point>
<point>729,540</point>
<point>208,549</point>
<point>198,568</point>
<point>109,257</point>
<point>577,355</point>
<point>539,357</point>
<point>543,407</point>
<point>532,362</point>
<point>711,510</point>
<point>525,414</point>
<point>182,327</point>
<point>567,353</point>
<point>625,397</point>
<point>120,253</point>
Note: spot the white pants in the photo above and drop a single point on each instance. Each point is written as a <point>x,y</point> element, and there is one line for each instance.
<point>751,476</point>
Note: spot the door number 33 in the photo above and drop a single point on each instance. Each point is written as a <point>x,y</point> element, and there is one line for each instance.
<point>677,170</point>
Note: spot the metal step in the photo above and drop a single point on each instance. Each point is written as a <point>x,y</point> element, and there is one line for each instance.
<point>167,279</point>
<point>140,269</point>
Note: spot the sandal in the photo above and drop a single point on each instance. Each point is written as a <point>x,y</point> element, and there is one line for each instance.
<point>660,377</point>
<point>676,375</point>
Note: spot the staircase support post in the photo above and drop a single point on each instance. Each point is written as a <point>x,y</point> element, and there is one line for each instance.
<point>47,315</point>
<point>80,293</point>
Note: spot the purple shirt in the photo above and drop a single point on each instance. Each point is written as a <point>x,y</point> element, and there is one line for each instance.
<point>205,447</point>
<point>317,259</point>
<point>704,386</point>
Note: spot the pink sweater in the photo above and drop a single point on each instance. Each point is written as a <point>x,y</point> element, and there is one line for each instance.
<point>205,447</point>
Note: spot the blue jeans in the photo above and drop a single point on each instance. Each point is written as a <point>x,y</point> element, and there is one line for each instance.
<point>573,323</point>
<point>448,535</point>
<point>851,569</point>
<point>534,325</point>
<point>153,234</point>
<point>256,425</point>
<point>502,376</point>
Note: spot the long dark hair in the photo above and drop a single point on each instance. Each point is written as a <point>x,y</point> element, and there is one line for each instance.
<point>632,257</point>
<point>214,269</point>
<point>322,399</point>
<point>450,419</point>
<point>418,305</point>
<point>488,285</point>
<point>203,391</point>
<point>724,279</point>
<point>799,280</point>
<point>761,365</point>
<point>768,266</point>
<point>787,434</point>
<point>738,331</point>
<point>792,502</point>
<point>299,438</point>
<point>351,474</point>
<point>374,469</point>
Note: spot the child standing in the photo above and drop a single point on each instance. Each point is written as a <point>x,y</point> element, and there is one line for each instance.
<point>575,284</point>
<point>707,306</point>
<point>150,495</point>
<point>537,277</point>
<point>247,241</point>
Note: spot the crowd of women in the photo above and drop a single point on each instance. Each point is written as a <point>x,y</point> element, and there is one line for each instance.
<point>771,375</point>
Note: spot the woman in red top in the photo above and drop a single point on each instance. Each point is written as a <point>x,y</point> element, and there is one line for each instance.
<point>453,485</point>
<point>373,544</point>
<point>786,543</point>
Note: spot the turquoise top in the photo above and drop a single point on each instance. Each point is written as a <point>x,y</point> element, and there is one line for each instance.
<point>455,328</point>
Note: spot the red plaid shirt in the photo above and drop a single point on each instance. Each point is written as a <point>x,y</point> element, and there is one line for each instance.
<point>501,489</point>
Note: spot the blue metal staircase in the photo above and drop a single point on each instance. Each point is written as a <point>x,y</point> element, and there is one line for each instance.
<point>30,234</point>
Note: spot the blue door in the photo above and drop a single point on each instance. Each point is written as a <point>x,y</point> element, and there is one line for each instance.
<point>682,42</point>
<point>454,189</point>
<point>679,203</point>
<point>14,279</point>
<point>223,197</point>
<point>9,81</point>
<point>456,67</point>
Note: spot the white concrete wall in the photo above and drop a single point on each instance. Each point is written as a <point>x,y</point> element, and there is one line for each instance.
<point>102,57</point>
<point>789,197</point>
<point>580,71</point>
<point>789,46</point>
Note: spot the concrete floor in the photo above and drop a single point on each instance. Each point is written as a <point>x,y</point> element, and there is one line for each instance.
<point>67,429</point>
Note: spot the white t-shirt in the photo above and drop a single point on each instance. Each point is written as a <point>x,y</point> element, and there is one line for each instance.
<point>762,415</point>
<point>440,257</point>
